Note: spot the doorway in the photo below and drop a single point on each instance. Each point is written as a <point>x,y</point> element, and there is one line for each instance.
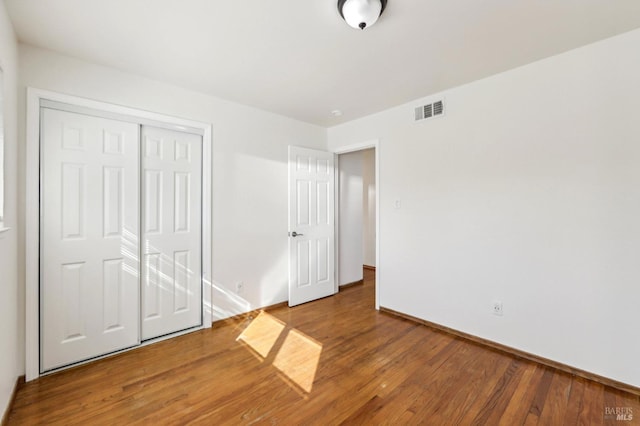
<point>357,213</point>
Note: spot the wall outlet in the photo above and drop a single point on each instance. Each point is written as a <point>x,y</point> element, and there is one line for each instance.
<point>239,287</point>
<point>496,308</point>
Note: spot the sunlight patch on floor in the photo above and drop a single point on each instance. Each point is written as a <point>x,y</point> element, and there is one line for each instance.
<point>262,333</point>
<point>298,359</point>
<point>296,355</point>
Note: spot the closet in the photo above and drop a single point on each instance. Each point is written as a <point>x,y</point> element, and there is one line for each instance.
<point>120,233</point>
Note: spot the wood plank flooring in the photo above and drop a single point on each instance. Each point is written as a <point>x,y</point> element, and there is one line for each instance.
<point>333,361</point>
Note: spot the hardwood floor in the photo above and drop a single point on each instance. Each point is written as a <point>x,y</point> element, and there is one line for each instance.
<point>333,361</point>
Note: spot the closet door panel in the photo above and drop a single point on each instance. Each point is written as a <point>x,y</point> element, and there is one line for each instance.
<point>89,250</point>
<point>171,238</point>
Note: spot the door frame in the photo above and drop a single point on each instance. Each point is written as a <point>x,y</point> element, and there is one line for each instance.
<point>375,144</point>
<point>32,198</point>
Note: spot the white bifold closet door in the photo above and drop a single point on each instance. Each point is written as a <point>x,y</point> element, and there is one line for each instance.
<point>171,229</point>
<point>89,283</point>
<point>120,254</point>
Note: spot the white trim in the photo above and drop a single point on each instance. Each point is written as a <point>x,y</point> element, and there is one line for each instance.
<point>373,143</point>
<point>207,225</point>
<point>32,198</point>
<point>336,221</point>
<point>3,126</point>
<point>361,146</point>
<point>60,106</point>
<point>32,237</point>
<point>115,109</point>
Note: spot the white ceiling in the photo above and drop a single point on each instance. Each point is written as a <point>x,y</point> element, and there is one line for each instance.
<point>298,58</point>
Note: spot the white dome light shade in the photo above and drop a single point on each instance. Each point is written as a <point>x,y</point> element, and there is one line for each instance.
<point>361,14</point>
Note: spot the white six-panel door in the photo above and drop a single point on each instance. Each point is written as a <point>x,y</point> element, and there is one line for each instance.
<point>171,230</point>
<point>89,292</point>
<point>311,225</point>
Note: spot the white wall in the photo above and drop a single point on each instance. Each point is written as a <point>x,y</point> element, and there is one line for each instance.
<point>249,169</point>
<point>528,192</point>
<point>369,207</point>
<point>350,220</point>
<point>11,352</point>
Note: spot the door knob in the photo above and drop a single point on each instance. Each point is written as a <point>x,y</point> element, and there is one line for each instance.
<point>295,234</point>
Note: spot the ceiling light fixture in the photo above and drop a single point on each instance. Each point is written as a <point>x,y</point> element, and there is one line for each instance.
<point>361,13</point>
